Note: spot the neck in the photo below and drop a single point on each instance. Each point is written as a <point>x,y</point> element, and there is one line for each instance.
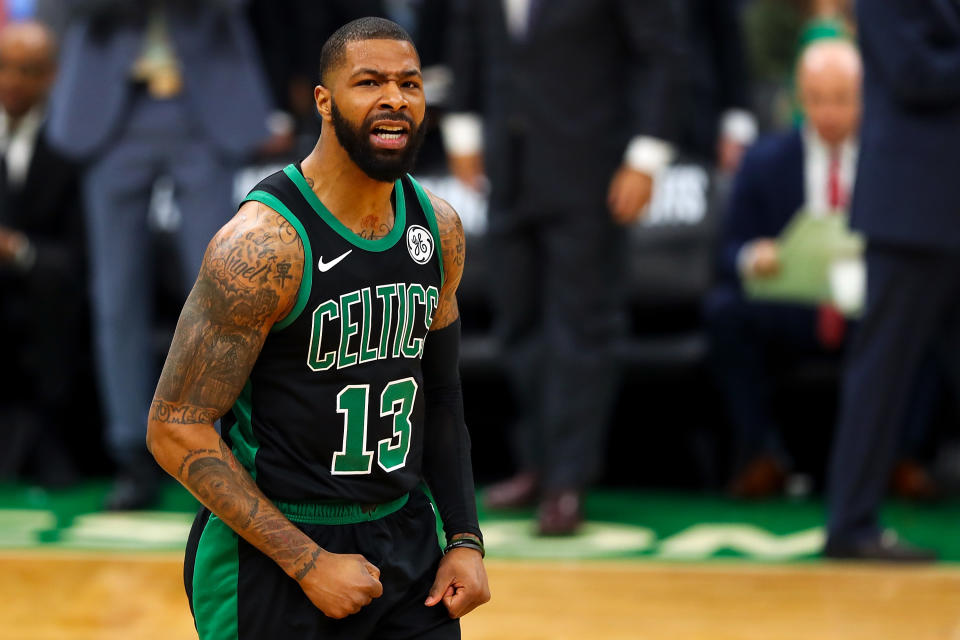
<point>350,194</point>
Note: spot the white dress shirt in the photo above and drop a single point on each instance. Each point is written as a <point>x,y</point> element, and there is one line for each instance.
<point>17,144</point>
<point>816,171</point>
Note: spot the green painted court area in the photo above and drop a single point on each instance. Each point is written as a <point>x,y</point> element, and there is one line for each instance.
<point>622,524</point>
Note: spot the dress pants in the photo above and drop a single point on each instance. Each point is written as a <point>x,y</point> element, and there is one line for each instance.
<point>913,304</point>
<point>157,139</point>
<point>746,338</point>
<point>556,290</point>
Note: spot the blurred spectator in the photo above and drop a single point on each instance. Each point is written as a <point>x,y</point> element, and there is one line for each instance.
<point>811,168</point>
<point>150,89</point>
<point>568,90</point>
<point>907,203</point>
<point>718,125</point>
<point>42,287</point>
<point>777,31</point>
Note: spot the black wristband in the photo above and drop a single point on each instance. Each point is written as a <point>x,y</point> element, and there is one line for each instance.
<point>465,543</point>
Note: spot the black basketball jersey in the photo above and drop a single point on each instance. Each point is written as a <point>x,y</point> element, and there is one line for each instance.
<point>333,408</point>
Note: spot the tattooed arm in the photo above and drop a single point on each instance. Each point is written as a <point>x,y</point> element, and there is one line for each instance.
<point>461,580</point>
<point>248,281</point>
<point>452,245</point>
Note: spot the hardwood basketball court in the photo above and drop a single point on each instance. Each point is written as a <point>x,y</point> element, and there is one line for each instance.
<point>61,595</point>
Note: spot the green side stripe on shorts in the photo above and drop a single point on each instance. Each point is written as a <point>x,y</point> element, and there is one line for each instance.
<point>306,281</point>
<point>215,576</point>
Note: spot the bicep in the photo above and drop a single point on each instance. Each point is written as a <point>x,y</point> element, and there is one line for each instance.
<point>245,284</point>
<point>453,249</point>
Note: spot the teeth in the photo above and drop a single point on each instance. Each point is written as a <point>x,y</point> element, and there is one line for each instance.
<point>389,136</point>
<point>391,129</point>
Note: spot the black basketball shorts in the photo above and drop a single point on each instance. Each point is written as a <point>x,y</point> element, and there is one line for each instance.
<point>237,593</point>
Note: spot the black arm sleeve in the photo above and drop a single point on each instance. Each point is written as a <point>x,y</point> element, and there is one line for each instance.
<point>446,451</point>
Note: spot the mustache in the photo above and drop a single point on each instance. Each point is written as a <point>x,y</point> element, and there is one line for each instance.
<point>370,122</point>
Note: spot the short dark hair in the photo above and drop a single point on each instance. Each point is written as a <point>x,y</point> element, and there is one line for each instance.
<point>369,28</point>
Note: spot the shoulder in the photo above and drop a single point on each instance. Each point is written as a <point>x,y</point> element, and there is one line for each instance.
<point>770,153</point>
<point>257,254</point>
<point>451,231</point>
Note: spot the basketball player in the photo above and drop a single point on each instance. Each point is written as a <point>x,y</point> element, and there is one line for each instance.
<point>323,329</point>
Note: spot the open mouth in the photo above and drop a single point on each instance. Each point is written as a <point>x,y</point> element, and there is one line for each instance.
<point>389,136</point>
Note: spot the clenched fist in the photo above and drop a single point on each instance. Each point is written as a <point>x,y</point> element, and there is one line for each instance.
<point>340,584</point>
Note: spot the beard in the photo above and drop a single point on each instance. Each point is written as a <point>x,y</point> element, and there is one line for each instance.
<point>382,165</point>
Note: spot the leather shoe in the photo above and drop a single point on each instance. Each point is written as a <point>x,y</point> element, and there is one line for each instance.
<point>518,492</point>
<point>560,513</point>
<point>884,547</point>
<point>763,477</point>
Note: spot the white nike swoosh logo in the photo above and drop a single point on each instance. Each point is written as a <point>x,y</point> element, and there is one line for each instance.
<point>326,266</point>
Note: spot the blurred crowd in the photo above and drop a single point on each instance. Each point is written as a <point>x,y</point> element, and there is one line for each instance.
<point>561,114</point>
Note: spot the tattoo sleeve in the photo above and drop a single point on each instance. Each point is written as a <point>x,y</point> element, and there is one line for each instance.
<point>249,279</point>
<point>454,251</point>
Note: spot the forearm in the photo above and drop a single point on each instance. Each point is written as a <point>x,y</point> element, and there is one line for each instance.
<point>194,454</point>
<point>447,466</point>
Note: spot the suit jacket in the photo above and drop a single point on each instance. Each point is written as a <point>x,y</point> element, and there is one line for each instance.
<point>767,191</point>
<point>47,209</point>
<point>44,311</point>
<point>223,84</point>
<point>561,104</point>
<point>715,75</point>
<point>907,189</point>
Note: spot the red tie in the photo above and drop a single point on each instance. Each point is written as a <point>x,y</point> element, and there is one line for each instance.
<point>835,195</point>
<point>831,325</point>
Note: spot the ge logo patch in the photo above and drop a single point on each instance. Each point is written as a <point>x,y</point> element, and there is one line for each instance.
<point>419,244</point>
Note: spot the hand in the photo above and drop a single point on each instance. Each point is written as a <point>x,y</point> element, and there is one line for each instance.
<point>340,584</point>
<point>629,193</point>
<point>461,583</point>
<point>468,169</point>
<point>11,243</point>
<point>763,260</point>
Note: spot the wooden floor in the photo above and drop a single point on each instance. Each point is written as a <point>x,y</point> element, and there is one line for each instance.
<point>88,596</point>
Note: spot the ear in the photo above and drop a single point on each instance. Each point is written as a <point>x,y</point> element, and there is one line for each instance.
<point>321,95</point>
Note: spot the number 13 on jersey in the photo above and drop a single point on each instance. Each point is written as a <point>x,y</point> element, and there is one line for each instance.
<point>353,402</point>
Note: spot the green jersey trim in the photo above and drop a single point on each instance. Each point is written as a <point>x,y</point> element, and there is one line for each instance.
<point>215,577</point>
<point>245,445</point>
<point>380,244</point>
<point>338,513</point>
<point>427,205</point>
<point>306,281</point>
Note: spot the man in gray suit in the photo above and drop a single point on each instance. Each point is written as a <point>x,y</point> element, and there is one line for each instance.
<point>150,89</point>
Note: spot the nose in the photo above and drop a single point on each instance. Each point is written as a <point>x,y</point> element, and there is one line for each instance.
<point>392,98</point>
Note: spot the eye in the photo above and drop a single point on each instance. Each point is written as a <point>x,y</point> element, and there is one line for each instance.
<point>367,82</point>
<point>410,84</point>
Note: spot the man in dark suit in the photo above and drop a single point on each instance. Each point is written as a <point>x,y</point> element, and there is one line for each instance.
<point>576,98</point>
<point>43,329</point>
<point>907,203</point>
<point>169,88</point>
<point>810,168</point>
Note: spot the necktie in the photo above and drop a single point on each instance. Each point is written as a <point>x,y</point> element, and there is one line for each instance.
<point>835,195</point>
<point>831,325</point>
